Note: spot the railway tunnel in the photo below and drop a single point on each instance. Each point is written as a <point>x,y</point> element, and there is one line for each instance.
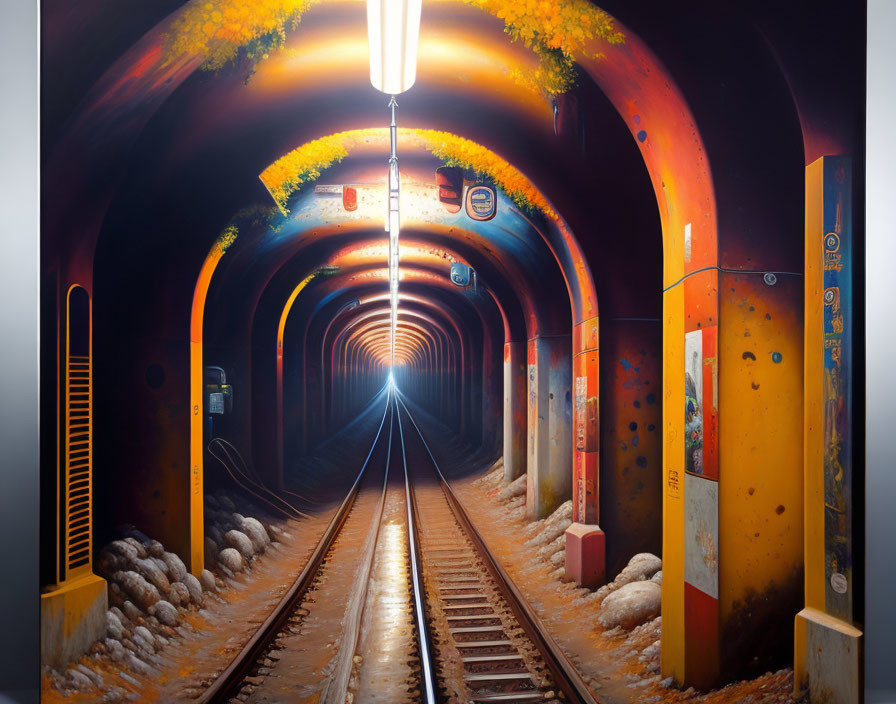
<point>625,241</point>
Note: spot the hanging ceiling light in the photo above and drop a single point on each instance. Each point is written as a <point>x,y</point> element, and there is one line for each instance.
<point>393,28</point>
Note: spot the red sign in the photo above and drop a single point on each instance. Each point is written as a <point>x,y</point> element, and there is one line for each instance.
<point>349,198</point>
<point>450,180</point>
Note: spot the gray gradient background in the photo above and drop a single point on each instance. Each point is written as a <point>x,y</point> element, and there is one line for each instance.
<point>19,345</point>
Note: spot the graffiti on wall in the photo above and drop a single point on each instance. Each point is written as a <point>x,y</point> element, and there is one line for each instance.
<point>701,402</point>
<point>837,384</point>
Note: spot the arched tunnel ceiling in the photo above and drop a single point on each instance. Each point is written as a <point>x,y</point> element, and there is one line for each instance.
<point>201,139</point>
<point>207,143</point>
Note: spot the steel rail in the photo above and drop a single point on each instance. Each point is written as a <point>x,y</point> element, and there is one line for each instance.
<point>423,642</point>
<point>336,689</point>
<point>227,684</point>
<point>565,675</point>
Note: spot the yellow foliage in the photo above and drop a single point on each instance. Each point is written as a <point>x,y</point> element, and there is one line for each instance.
<point>217,29</point>
<point>458,151</point>
<point>566,25</point>
<point>557,31</point>
<point>227,237</point>
<point>304,165</point>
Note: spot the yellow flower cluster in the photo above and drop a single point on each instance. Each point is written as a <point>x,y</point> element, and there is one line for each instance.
<point>555,75</point>
<point>557,31</point>
<point>217,29</point>
<point>566,25</point>
<point>303,165</point>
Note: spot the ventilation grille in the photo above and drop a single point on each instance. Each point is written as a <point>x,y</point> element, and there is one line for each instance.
<point>78,462</point>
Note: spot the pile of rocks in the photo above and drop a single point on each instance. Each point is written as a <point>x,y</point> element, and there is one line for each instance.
<point>232,540</point>
<point>548,537</point>
<point>634,596</point>
<point>150,590</point>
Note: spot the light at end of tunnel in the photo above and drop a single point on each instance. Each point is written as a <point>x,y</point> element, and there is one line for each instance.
<point>393,29</point>
<point>391,381</point>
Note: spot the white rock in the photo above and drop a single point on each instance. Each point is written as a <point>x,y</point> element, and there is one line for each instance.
<point>155,548</point>
<point>131,611</point>
<point>652,650</point>
<point>153,574</point>
<point>516,488</point>
<point>116,649</point>
<point>144,633</point>
<point>631,605</point>
<point>90,674</point>
<point>79,681</point>
<point>116,595</point>
<point>141,592</point>
<point>165,612</point>
<point>137,545</point>
<point>140,667</point>
<point>558,559</point>
<point>124,550</point>
<point>194,587</point>
<point>118,612</point>
<point>553,526</point>
<point>114,627</point>
<point>127,678</point>
<point>231,559</point>
<point>546,551</point>
<point>256,532</point>
<point>144,645</point>
<point>176,567</point>
<point>239,541</point>
<point>180,595</point>
<point>162,565</point>
<point>207,579</point>
<point>641,566</point>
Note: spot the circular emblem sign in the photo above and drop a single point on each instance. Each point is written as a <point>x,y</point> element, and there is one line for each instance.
<point>482,202</point>
<point>832,242</point>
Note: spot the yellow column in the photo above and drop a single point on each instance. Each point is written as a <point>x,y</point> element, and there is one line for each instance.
<point>828,646</point>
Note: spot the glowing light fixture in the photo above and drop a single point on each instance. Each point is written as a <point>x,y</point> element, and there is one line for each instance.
<point>393,30</point>
<point>393,225</point>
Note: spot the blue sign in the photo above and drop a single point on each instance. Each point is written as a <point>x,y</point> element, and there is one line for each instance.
<point>482,202</point>
<point>460,275</point>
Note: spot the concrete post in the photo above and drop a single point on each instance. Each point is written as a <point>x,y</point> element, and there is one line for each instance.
<point>585,541</point>
<point>514,410</point>
<point>549,443</point>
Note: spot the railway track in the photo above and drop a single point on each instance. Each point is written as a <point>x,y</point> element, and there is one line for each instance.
<point>401,601</point>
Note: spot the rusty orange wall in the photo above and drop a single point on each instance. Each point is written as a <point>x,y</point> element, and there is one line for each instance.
<point>761,480</point>
<point>631,439</point>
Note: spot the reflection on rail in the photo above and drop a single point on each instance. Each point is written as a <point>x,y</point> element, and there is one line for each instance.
<point>400,601</point>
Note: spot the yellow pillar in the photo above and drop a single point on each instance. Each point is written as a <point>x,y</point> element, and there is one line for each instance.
<point>828,646</point>
<point>732,523</point>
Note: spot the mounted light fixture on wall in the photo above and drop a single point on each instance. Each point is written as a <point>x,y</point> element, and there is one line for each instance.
<point>393,29</point>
